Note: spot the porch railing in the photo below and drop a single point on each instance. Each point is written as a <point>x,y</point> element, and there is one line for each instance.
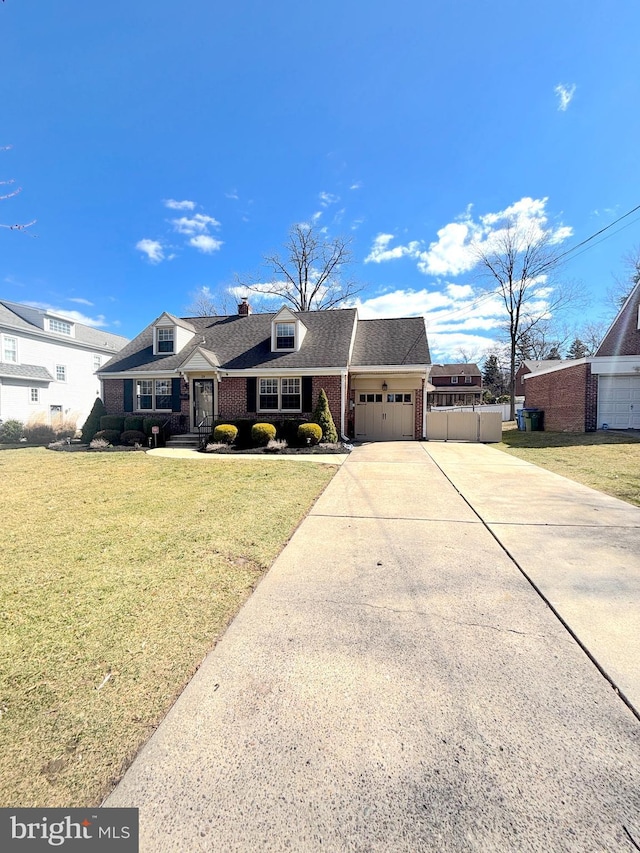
<point>204,430</point>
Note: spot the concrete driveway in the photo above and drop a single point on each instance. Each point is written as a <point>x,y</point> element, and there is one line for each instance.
<point>395,683</point>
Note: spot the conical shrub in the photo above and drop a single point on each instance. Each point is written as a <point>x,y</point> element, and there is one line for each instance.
<point>322,417</point>
<point>92,423</point>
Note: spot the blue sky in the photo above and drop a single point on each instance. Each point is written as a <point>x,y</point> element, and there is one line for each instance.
<point>404,126</point>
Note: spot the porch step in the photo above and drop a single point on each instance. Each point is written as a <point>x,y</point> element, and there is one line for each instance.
<point>188,440</point>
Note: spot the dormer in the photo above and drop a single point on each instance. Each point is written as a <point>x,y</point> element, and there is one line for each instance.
<point>171,334</point>
<point>287,331</point>
<point>59,325</point>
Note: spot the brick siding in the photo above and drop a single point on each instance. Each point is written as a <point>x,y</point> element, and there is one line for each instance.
<point>331,385</point>
<point>624,336</point>
<point>568,397</point>
<point>113,396</point>
<point>114,404</point>
<point>419,397</point>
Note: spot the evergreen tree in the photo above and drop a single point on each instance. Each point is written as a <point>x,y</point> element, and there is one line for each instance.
<point>92,423</point>
<point>492,375</point>
<point>554,353</point>
<point>577,349</point>
<point>322,417</point>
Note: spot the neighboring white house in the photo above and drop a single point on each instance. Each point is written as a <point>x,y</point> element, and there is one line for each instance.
<point>48,364</point>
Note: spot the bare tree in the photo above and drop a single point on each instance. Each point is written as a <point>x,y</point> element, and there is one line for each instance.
<point>622,285</point>
<point>205,304</point>
<point>467,356</point>
<point>311,275</point>
<point>11,194</point>
<point>591,335</point>
<point>517,264</point>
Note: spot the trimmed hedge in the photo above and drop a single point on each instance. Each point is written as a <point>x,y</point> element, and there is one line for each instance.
<point>133,422</point>
<point>148,423</point>
<point>11,431</point>
<point>225,433</point>
<point>112,422</point>
<point>133,436</point>
<point>110,435</point>
<point>92,423</point>
<point>262,434</point>
<point>310,434</point>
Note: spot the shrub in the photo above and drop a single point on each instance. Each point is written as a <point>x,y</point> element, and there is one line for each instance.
<point>275,445</point>
<point>110,435</point>
<point>92,423</point>
<point>11,431</point>
<point>261,434</point>
<point>39,434</point>
<point>133,422</point>
<point>310,433</point>
<point>112,422</point>
<point>322,416</point>
<point>287,429</point>
<point>225,433</point>
<point>66,428</point>
<point>98,444</point>
<point>133,436</point>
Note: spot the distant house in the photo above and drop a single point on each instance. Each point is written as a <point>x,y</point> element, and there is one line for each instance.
<point>48,365</point>
<point>273,366</point>
<point>598,392</point>
<point>455,385</point>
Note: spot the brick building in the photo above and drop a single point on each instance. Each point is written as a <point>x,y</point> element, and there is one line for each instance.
<point>273,366</point>
<point>598,392</point>
<point>455,385</point>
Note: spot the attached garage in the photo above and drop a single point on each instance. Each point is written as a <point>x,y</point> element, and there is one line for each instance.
<point>619,402</point>
<point>385,416</point>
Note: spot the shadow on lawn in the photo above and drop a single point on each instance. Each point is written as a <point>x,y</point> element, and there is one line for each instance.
<point>517,438</point>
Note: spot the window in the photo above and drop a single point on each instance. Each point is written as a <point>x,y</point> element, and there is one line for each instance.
<point>61,373</point>
<point>60,326</point>
<point>10,350</point>
<point>467,380</point>
<point>280,395</point>
<point>398,398</point>
<point>285,335</point>
<point>454,380</point>
<point>34,395</point>
<point>153,394</point>
<point>97,362</point>
<point>370,398</point>
<point>165,340</point>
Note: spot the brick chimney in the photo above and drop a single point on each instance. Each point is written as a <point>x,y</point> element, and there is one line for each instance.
<point>244,309</point>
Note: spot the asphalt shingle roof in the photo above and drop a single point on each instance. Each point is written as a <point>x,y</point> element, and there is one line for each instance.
<point>25,371</point>
<point>242,343</point>
<point>397,341</point>
<point>455,370</point>
<point>27,319</point>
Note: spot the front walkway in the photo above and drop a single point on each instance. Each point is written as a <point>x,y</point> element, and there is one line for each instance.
<point>396,684</point>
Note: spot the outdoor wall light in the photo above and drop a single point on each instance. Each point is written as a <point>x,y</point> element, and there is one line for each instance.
<point>384,386</point>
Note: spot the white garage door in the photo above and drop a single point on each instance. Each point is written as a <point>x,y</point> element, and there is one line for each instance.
<point>619,402</point>
<point>384,417</point>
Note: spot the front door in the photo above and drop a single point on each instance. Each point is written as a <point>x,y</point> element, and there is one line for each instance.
<point>202,400</point>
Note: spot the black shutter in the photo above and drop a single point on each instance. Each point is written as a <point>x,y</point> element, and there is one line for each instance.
<point>175,395</point>
<point>307,393</point>
<point>251,393</point>
<point>128,395</point>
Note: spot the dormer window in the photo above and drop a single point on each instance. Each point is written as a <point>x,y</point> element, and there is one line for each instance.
<point>454,380</point>
<point>165,340</point>
<point>60,326</point>
<point>285,335</point>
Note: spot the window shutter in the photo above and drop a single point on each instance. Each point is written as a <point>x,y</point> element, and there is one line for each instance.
<point>251,393</point>
<point>175,395</point>
<point>307,393</point>
<point>128,395</point>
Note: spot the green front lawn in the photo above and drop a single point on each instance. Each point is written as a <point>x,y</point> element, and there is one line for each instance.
<point>118,572</point>
<point>606,460</point>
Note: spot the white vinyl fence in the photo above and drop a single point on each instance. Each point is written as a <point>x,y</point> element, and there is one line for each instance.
<point>503,408</point>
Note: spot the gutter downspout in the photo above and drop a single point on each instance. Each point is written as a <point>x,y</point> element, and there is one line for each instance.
<point>343,387</point>
<point>424,407</point>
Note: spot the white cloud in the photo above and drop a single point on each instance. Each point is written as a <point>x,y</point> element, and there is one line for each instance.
<point>355,185</point>
<point>232,194</point>
<point>198,224</point>
<point>205,243</point>
<point>152,249</point>
<point>316,216</point>
<point>453,252</point>
<point>80,301</point>
<point>76,316</point>
<point>327,198</point>
<point>172,204</point>
<point>565,93</point>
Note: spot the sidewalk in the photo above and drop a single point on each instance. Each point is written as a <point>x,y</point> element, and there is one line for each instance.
<point>393,684</point>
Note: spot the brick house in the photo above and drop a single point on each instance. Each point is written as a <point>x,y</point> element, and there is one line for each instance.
<point>531,366</point>
<point>598,392</point>
<point>273,366</point>
<point>455,385</point>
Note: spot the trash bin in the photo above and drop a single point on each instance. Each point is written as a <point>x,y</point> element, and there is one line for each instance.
<point>532,419</point>
<point>520,419</point>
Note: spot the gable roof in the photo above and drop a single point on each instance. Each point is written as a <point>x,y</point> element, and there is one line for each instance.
<point>24,318</point>
<point>533,365</point>
<point>244,343</point>
<point>467,369</point>
<point>623,335</point>
<point>396,341</point>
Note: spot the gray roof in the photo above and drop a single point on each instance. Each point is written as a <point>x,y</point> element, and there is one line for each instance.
<point>455,370</point>
<point>244,343</point>
<point>25,371</point>
<point>27,319</point>
<point>397,341</point>
<point>533,365</point>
